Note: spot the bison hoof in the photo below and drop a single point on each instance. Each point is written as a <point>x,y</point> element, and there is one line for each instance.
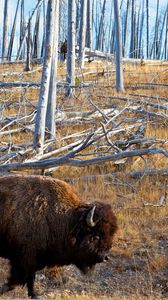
<point>35,296</point>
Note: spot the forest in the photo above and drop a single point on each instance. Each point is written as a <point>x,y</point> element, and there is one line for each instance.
<point>84,98</point>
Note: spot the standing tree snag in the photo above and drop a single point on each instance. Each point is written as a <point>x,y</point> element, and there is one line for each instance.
<point>82,37</point>
<point>70,77</point>
<point>51,107</point>
<point>40,123</point>
<point>118,48</point>
<point>5,29</point>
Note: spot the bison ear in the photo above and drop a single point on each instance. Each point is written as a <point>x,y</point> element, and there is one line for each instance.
<point>90,217</point>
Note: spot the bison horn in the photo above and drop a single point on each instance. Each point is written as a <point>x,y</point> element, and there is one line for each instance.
<point>89,218</point>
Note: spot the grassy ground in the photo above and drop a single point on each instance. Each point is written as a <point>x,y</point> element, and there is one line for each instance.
<point>139,259</point>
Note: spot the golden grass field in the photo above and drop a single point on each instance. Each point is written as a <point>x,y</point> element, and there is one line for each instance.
<point>138,268</point>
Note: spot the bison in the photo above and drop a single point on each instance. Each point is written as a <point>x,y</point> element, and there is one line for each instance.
<point>44,223</point>
<point>63,49</point>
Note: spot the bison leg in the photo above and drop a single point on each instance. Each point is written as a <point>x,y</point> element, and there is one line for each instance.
<point>12,281</point>
<point>6,288</point>
<point>30,287</point>
<point>24,275</point>
<point>19,275</point>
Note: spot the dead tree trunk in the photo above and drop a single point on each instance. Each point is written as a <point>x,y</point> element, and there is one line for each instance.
<point>165,50</point>
<point>22,28</point>
<point>160,42</point>
<point>82,37</point>
<point>110,28</point>
<point>118,48</point>
<point>101,34</point>
<point>26,30</point>
<point>28,67</point>
<point>89,24</point>
<point>126,27</point>
<point>71,46</point>
<point>9,55</point>
<point>156,32</point>
<point>147,29</point>
<point>133,31</point>
<point>40,122</point>
<point>36,41</point>
<point>140,48</point>
<point>5,29</point>
<point>44,28</point>
<point>51,107</point>
<point>154,49</point>
<point>77,21</point>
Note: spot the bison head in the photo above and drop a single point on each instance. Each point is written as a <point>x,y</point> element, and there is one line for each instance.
<point>92,234</point>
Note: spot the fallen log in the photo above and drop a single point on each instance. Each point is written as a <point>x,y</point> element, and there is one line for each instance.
<point>155,105</point>
<point>149,96</point>
<point>68,159</point>
<point>29,84</point>
<point>149,172</point>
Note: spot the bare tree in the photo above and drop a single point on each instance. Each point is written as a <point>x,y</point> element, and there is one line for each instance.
<point>165,50</point>
<point>78,3</point>
<point>133,31</point>
<point>110,28</point>
<point>140,48</point>
<point>13,33</point>
<point>112,38</point>
<point>156,47</point>
<point>89,23</point>
<point>126,27</point>
<point>70,77</point>
<point>26,30</point>
<point>40,122</point>
<point>44,27</point>
<point>5,29</point>
<point>147,29</point>
<point>118,48</point>
<point>28,67</point>
<point>22,27</point>
<point>51,107</point>
<point>82,38</point>
<point>161,35</point>
<point>36,42</point>
<point>101,34</point>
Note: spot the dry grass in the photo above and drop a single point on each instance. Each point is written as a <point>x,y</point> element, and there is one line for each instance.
<point>139,266</point>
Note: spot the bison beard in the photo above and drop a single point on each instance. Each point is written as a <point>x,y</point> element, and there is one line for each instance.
<point>43,222</point>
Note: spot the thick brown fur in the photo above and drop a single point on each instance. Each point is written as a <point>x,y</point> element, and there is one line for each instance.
<point>43,223</point>
<point>63,48</point>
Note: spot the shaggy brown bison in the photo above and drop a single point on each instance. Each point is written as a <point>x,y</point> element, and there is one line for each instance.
<point>43,222</point>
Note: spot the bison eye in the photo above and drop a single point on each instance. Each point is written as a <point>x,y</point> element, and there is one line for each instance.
<point>94,238</point>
